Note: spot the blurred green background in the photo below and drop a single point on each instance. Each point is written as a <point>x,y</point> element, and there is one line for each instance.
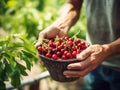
<point>20,23</point>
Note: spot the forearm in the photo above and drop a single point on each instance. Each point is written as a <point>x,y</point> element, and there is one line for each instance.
<point>69,15</point>
<point>113,48</point>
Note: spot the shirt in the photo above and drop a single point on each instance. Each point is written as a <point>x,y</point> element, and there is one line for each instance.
<point>103,23</point>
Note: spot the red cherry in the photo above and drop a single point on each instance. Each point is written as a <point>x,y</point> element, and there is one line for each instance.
<point>46,49</point>
<point>79,44</point>
<point>74,53</point>
<point>39,48</point>
<point>83,47</point>
<point>83,43</point>
<point>70,43</point>
<point>52,44</point>
<point>58,53</point>
<point>48,55</point>
<point>69,55</point>
<point>54,56</point>
<point>60,40</point>
<point>70,39</point>
<point>65,52</point>
<point>74,48</point>
<point>59,47</point>
<point>78,41</point>
<point>51,40</point>
<point>59,59</point>
<point>54,50</point>
<point>64,57</point>
<point>62,50</point>
<point>78,51</point>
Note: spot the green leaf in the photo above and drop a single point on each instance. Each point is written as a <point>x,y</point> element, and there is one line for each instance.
<point>28,54</point>
<point>28,61</point>
<point>11,54</point>
<point>23,72</point>
<point>29,64</point>
<point>15,78</point>
<point>22,69</point>
<point>28,46</point>
<point>15,45</point>
<point>12,62</point>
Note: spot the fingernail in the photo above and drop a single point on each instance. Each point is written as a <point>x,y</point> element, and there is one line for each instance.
<point>64,73</point>
<point>67,76</point>
<point>69,67</point>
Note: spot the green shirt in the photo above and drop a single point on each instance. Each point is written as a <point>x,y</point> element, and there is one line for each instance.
<point>103,22</point>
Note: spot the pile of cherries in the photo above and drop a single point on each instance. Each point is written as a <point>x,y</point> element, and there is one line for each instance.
<point>64,48</point>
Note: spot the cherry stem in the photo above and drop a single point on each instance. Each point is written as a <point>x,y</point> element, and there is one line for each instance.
<point>75,35</point>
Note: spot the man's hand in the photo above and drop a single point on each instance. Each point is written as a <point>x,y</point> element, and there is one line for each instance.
<point>50,32</point>
<point>89,60</point>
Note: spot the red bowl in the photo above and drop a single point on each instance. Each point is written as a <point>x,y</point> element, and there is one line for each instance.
<point>57,67</point>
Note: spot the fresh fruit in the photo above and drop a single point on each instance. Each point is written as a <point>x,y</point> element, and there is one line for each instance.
<point>64,48</point>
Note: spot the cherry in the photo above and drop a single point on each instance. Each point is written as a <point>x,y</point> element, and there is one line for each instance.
<point>48,55</point>
<point>77,41</point>
<point>64,57</point>
<point>39,48</point>
<point>69,55</point>
<point>58,53</point>
<point>54,56</point>
<point>70,39</point>
<point>70,43</point>
<point>65,52</point>
<point>74,53</point>
<point>59,47</point>
<point>74,48</point>
<point>78,51</point>
<point>64,48</point>
<point>60,40</point>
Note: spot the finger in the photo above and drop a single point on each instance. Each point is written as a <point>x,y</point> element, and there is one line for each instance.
<point>40,39</point>
<point>84,54</point>
<point>82,65</point>
<point>39,42</point>
<point>80,73</point>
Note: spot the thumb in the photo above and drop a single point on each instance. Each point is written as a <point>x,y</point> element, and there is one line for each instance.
<point>84,54</point>
<point>40,40</point>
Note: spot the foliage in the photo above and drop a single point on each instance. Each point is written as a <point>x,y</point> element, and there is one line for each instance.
<point>13,50</point>
<point>24,19</point>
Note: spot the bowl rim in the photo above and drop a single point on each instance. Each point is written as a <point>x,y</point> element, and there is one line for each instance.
<point>66,60</point>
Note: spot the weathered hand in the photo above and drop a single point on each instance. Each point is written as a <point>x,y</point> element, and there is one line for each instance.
<point>50,32</point>
<point>90,59</point>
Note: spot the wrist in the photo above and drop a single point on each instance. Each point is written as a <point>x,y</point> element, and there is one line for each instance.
<point>61,25</point>
<point>107,49</point>
<point>113,48</point>
<point>67,19</point>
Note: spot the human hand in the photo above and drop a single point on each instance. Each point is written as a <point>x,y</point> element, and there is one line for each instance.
<point>90,58</point>
<point>50,32</point>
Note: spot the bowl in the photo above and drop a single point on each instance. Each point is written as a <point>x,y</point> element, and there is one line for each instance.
<point>57,67</point>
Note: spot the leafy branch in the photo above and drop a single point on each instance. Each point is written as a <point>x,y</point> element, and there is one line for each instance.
<point>15,49</point>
